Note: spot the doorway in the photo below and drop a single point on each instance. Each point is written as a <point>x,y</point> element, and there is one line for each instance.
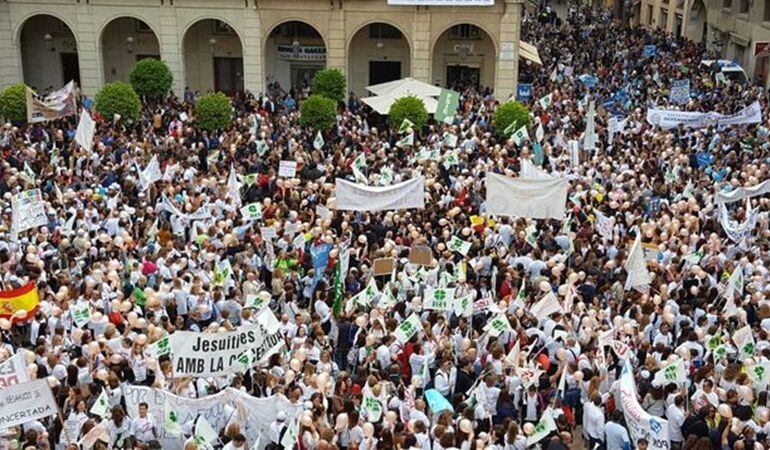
<point>70,67</point>
<point>302,75</point>
<point>384,71</point>
<point>461,77</point>
<point>228,75</point>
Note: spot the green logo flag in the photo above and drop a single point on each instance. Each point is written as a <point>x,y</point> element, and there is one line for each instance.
<point>318,142</point>
<point>406,126</point>
<point>172,420</point>
<point>448,102</point>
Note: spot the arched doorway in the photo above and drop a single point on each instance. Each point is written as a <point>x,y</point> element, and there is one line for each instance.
<point>49,53</point>
<point>464,56</point>
<point>294,52</point>
<point>213,57</point>
<point>377,53</point>
<point>125,41</point>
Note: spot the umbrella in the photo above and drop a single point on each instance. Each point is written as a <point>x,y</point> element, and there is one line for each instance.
<point>381,103</point>
<point>406,86</point>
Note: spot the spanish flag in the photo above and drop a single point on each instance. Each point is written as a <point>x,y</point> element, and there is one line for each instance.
<point>20,304</point>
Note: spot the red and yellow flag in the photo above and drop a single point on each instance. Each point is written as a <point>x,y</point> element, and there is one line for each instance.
<point>19,304</point>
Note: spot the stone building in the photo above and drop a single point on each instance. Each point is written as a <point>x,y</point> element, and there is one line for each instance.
<point>231,45</point>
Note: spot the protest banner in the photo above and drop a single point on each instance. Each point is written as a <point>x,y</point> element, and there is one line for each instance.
<point>408,328</point>
<point>25,402</point>
<point>287,169</point>
<point>57,104</point>
<point>27,210</point>
<point>252,211</point>
<point>383,266</point>
<point>254,414</point>
<point>13,371</point>
<point>439,299</point>
<point>533,199</point>
<point>740,193</point>
<point>545,426</point>
<point>20,304</point>
<point>420,255</point>
<point>673,372</point>
<point>214,354</point>
<point>641,424</point>
<point>667,118</point>
<point>360,197</point>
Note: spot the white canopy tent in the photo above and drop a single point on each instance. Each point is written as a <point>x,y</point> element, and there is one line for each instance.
<point>387,93</point>
<point>381,103</point>
<point>405,86</point>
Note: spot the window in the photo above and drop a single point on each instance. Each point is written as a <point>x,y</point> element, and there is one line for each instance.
<point>383,31</point>
<point>649,14</point>
<point>744,6</point>
<point>465,31</point>
<point>295,30</point>
<point>222,28</point>
<point>767,11</point>
<point>663,19</point>
<point>727,4</point>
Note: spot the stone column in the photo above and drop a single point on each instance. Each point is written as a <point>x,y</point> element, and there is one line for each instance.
<point>253,72</point>
<point>507,64</point>
<point>91,70</point>
<point>421,56</point>
<point>170,41</point>
<point>336,53</point>
<point>10,71</point>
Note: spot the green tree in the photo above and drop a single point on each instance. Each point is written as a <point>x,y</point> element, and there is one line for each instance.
<point>509,113</point>
<point>151,78</point>
<point>317,112</point>
<point>409,107</point>
<point>118,98</point>
<point>214,111</point>
<point>13,102</point>
<point>330,83</point>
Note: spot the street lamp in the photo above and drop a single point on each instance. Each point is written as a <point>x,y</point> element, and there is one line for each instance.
<point>212,45</point>
<point>130,44</point>
<point>295,47</point>
<point>48,40</point>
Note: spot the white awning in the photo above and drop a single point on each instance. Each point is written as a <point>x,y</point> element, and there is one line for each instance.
<point>405,86</point>
<point>381,103</point>
<point>529,52</point>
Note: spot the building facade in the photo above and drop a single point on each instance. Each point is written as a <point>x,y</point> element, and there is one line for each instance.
<point>231,45</point>
<point>738,30</point>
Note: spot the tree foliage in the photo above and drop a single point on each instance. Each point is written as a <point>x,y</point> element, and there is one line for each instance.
<point>151,78</point>
<point>330,83</point>
<point>318,112</point>
<point>509,113</point>
<point>411,108</point>
<point>13,102</point>
<point>214,111</point>
<point>118,98</point>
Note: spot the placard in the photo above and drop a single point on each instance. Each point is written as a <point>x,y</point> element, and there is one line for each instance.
<point>287,169</point>
<point>23,403</point>
<point>384,266</point>
<point>421,255</point>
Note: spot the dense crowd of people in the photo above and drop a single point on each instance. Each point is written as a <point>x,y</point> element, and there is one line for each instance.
<point>144,272</point>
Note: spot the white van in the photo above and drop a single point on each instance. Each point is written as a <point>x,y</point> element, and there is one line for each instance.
<point>728,70</point>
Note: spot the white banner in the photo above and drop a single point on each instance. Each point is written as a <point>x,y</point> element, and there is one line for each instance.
<point>214,354</point>
<point>253,414</point>
<point>442,2</point>
<point>359,197</point>
<point>533,199</point>
<point>23,403</point>
<point>641,424</point>
<point>28,210</point>
<point>57,104</point>
<point>84,135</point>
<point>741,193</point>
<point>13,371</point>
<point>666,118</point>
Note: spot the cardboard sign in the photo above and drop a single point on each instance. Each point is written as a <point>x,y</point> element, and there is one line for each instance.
<point>420,255</point>
<point>287,169</point>
<point>384,266</point>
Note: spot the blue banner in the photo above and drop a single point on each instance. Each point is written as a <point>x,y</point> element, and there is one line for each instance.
<point>320,256</point>
<point>437,402</point>
<point>680,91</point>
<point>588,80</point>
<point>650,51</point>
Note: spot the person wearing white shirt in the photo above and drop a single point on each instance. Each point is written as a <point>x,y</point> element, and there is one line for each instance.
<point>143,427</point>
<point>705,396</point>
<point>593,421</point>
<point>444,380</point>
<point>675,417</point>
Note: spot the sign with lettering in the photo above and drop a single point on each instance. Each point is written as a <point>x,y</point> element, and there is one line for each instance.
<point>22,403</point>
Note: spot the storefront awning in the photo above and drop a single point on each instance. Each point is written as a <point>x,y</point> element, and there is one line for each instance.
<point>381,103</point>
<point>406,86</point>
<point>529,52</point>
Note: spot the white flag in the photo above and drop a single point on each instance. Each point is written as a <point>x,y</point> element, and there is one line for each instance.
<point>234,187</point>
<point>546,306</point>
<point>638,277</point>
<point>744,340</point>
<point>498,325</point>
<point>512,358</point>
<point>408,328</point>
<point>674,372</point>
<point>520,135</point>
<point>546,101</point>
<point>590,138</point>
<point>458,245</point>
<point>150,174</point>
<point>539,132</point>
<point>406,141</point>
<point>84,135</point>
<point>102,405</point>
<point>318,142</point>
<point>205,436</point>
<point>734,286</point>
<point>439,299</point>
<point>544,427</point>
